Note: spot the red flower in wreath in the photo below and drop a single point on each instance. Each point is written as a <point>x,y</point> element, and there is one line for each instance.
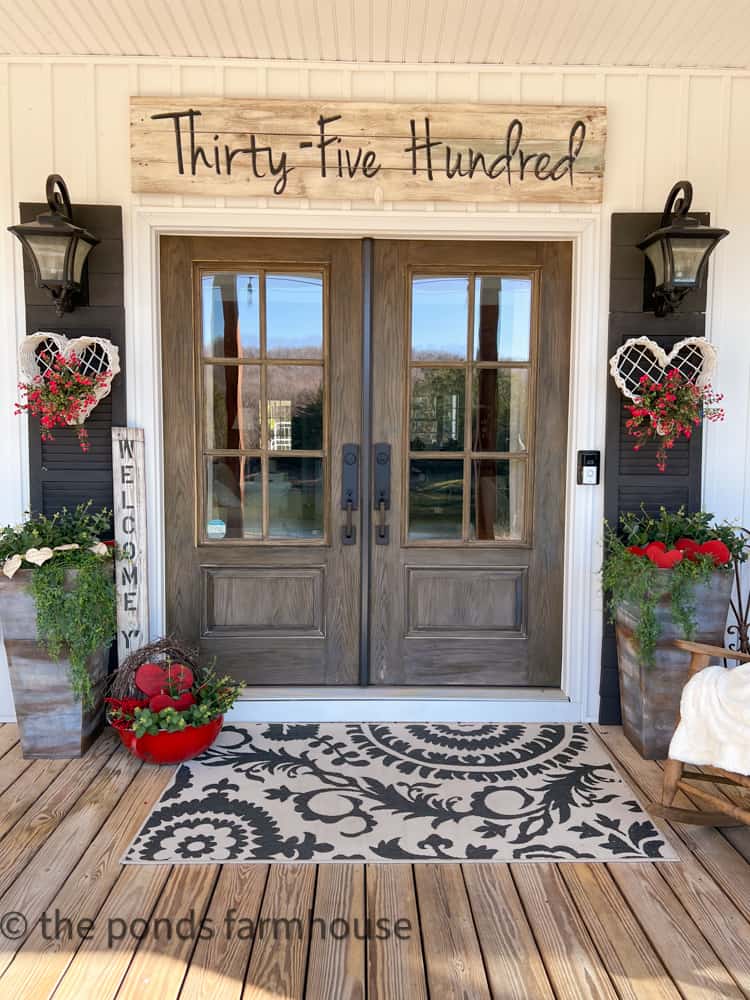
<point>668,409</point>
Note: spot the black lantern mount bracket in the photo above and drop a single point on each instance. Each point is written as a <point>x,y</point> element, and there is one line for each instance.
<point>678,251</point>
<point>56,247</point>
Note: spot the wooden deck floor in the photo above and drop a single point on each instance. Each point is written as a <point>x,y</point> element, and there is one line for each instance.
<point>476,930</point>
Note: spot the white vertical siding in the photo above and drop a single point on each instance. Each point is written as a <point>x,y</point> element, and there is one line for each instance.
<point>71,116</point>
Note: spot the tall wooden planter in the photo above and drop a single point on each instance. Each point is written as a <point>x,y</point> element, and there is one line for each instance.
<point>650,694</point>
<point>51,722</point>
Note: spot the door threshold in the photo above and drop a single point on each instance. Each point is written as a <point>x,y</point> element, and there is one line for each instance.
<point>404,704</point>
<point>378,692</point>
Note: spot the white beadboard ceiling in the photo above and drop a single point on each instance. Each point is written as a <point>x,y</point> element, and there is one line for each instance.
<point>712,34</point>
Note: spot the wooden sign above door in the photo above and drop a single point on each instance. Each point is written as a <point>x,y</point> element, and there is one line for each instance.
<point>384,152</point>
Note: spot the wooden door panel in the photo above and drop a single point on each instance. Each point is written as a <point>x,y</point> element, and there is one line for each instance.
<point>273,610</point>
<point>465,608</point>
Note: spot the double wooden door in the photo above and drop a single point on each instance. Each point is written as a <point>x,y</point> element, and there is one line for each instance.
<point>365,454</point>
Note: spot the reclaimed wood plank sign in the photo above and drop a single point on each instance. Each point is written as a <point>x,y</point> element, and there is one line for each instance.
<point>131,576</point>
<point>385,152</point>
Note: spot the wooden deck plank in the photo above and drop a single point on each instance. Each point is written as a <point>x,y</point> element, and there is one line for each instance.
<point>395,965</point>
<point>8,737</point>
<point>40,820</point>
<point>105,956</point>
<point>570,958</point>
<point>336,964</point>
<point>161,959</point>
<point>702,849</point>
<point>42,959</point>
<point>12,766</point>
<point>453,958</point>
<point>18,796</point>
<point>37,884</point>
<point>279,958</point>
<point>219,963</point>
<point>511,958</point>
<point>626,951</point>
<point>694,967</point>
<point>703,914</point>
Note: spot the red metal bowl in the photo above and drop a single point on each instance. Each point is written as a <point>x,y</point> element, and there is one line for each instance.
<point>172,748</point>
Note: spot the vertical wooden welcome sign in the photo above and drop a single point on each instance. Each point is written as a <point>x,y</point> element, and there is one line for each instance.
<point>131,581</point>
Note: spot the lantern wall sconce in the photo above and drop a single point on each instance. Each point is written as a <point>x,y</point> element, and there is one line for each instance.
<point>678,250</point>
<point>57,248</point>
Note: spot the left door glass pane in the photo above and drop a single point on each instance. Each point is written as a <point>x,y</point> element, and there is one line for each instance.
<point>232,407</point>
<point>234,498</point>
<point>294,315</point>
<point>230,304</point>
<point>295,497</point>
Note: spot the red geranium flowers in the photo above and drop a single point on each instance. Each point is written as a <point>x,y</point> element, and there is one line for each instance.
<point>63,396</point>
<point>668,410</point>
<point>684,548</point>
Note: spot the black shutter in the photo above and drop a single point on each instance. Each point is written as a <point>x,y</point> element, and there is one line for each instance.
<point>631,477</point>
<point>61,475</point>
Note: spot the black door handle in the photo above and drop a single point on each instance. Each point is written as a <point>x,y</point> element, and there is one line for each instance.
<point>382,491</point>
<point>349,491</point>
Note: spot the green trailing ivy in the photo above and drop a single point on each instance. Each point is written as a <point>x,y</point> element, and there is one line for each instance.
<point>75,609</point>
<point>633,578</point>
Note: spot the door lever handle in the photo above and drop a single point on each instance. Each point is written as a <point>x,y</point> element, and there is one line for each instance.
<point>382,492</point>
<point>349,491</point>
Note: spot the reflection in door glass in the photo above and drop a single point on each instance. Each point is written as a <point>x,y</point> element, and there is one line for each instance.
<point>439,316</point>
<point>497,499</point>
<point>234,498</point>
<point>232,407</point>
<point>295,407</point>
<point>500,398</point>
<point>294,315</point>
<point>437,409</point>
<point>295,497</point>
<point>230,305</point>
<point>435,499</point>
<point>502,318</point>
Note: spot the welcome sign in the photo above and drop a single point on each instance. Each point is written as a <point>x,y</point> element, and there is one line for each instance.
<point>363,151</point>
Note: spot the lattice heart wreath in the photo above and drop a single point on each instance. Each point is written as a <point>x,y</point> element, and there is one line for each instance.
<point>96,356</point>
<point>694,358</point>
<point>65,379</point>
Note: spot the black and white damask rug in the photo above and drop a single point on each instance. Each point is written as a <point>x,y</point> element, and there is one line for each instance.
<point>385,792</point>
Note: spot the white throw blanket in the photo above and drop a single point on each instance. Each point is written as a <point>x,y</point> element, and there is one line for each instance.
<point>715,724</point>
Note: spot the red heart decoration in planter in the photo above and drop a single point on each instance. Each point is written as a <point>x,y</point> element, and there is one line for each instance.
<point>150,678</point>
<point>185,700</point>
<point>179,676</point>
<point>154,679</point>
<point>160,701</point>
<point>664,560</point>
<point>717,550</point>
<point>688,547</point>
<point>636,550</point>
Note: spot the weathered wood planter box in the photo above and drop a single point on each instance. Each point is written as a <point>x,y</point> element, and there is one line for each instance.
<point>52,723</point>
<point>650,695</point>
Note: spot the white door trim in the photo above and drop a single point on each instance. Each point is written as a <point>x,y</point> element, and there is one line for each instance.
<point>578,699</point>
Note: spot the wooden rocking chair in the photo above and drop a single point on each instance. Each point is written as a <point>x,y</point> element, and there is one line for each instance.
<point>725,813</point>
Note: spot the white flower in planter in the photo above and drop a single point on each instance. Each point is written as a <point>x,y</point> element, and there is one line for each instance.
<point>11,566</point>
<point>38,556</point>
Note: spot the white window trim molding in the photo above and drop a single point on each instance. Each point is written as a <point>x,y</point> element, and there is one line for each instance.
<point>578,698</point>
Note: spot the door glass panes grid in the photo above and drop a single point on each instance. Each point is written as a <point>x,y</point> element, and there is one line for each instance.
<point>470,375</point>
<point>263,418</point>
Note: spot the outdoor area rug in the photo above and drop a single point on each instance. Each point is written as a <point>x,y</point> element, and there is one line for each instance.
<point>387,792</point>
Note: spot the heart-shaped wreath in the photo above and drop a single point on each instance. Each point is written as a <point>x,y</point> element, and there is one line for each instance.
<point>63,380</point>
<point>694,358</point>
